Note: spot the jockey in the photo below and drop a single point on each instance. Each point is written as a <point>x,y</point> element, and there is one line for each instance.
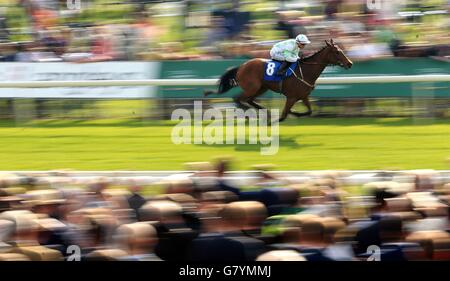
<point>287,51</point>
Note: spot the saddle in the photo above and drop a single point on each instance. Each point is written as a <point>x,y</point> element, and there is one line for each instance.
<point>271,68</point>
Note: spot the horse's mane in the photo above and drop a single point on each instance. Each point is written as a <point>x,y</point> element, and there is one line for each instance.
<point>315,53</point>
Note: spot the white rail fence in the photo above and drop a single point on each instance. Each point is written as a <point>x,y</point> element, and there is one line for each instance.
<point>236,177</point>
<point>212,82</point>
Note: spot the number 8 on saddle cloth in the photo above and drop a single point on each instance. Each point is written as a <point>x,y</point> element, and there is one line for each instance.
<point>271,68</point>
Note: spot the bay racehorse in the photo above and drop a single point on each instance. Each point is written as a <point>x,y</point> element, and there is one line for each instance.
<point>249,77</point>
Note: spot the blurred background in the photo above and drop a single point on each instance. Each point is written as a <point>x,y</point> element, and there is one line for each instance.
<point>71,30</point>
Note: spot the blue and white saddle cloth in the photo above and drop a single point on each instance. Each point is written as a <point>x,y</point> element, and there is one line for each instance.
<point>271,68</point>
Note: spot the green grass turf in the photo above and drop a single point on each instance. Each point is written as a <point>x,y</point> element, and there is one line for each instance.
<point>307,143</point>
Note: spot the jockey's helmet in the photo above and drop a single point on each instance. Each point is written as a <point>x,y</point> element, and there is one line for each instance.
<point>302,39</point>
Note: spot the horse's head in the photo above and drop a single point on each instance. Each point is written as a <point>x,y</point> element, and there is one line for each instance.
<point>337,56</point>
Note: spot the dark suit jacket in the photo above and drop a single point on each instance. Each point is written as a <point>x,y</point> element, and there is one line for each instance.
<point>174,242</point>
<point>228,247</point>
<point>136,201</point>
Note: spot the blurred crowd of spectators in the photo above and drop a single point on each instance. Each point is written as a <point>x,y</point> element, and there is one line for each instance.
<point>364,32</point>
<point>207,215</point>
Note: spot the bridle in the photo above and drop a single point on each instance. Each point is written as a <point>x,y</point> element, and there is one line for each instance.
<point>301,78</point>
<point>322,63</point>
<point>338,63</point>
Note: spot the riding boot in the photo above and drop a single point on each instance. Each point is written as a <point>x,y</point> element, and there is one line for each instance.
<point>283,68</point>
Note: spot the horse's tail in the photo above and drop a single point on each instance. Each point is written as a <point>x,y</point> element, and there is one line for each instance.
<point>227,82</point>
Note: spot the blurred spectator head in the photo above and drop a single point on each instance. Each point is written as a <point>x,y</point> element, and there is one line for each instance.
<point>164,211</point>
<point>137,238</point>
<point>180,184</point>
<point>243,215</point>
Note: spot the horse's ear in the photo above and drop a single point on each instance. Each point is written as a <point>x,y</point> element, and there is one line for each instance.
<point>331,41</point>
<point>328,43</point>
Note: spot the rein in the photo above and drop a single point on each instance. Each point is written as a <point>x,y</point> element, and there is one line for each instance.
<point>315,63</point>
<point>321,63</point>
<point>301,79</point>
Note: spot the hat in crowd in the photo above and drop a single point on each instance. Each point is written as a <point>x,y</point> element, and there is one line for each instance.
<point>186,201</point>
<point>23,220</point>
<point>434,242</point>
<point>13,257</point>
<point>9,179</point>
<point>390,186</point>
<point>427,203</point>
<point>50,224</point>
<point>179,183</point>
<point>95,211</point>
<point>8,201</point>
<point>6,228</point>
<point>39,253</point>
<point>106,255</point>
<point>407,216</point>
<point>398,204</point>
<point>219,196</point>
<point>45,197</point>
<point>180,198</point>
<point>281,255</point>
<point>101,216</point>
<point>14,190</point>
<point>116,192</point>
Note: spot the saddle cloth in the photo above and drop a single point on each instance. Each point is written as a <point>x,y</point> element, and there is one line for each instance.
<point>271,68</point>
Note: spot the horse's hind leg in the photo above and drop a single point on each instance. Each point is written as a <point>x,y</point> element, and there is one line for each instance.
<point>239,101</point>
<point>308,106</point>
<point>251,101</point>
<point>255,104</point>
<point>249,93</point>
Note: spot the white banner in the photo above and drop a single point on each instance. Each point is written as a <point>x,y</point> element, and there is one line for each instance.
<point>64,71</point>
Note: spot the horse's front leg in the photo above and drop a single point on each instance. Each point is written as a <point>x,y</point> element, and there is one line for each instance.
<point>307,113</point>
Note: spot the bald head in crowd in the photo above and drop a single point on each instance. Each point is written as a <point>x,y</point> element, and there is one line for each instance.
<point>243,215</point>
<point>165,211</point>
<point>137,239</point>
